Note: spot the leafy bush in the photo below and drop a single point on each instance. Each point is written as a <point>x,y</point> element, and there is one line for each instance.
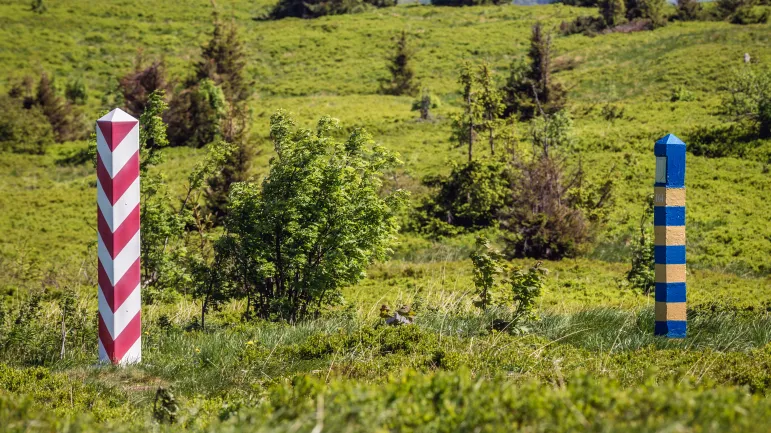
<point>681,93</point>
<point>689,10</point>
<point>294,242</point>
<point>551,211</point>
<point>466,2</point>
<point>76,92</point>
<point>470,197</point>
<point>197,115</point>
<point>748,99</point>
<point>23,130</point>
<point>425,103</point>
<point>586,25</point>
<point>642,274</point>
<point>320,8</point>
<point>137,86</point>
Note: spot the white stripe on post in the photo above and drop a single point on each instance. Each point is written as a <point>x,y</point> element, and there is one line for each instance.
<point>117,196</point>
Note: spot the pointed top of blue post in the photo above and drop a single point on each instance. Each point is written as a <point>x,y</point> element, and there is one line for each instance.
<point>670,139</point>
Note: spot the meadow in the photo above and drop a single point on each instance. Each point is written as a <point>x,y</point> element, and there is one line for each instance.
<point>588,362</point>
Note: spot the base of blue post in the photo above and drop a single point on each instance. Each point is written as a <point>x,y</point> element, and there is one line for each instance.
<point>670,329</point>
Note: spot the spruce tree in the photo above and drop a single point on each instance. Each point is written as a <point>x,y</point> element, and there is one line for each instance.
<point>613,12</point>
<point>402,80</point>
<point>57,111</point>
<point>137,86</point>
<point>223,60</point>
<point>530,88</point>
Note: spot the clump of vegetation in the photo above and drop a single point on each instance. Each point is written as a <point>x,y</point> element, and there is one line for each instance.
<point>746,106</point>
<point>642,274</point>
<point>402,81</point>
<point>470,197</point>
<point>63,117</point>
<point>689,10</point>
<point>76,92</point>
<point>748,99</point>
<point>740,12</point>
<point>425,103</point>
<point>458,3</point>
<point>23,130</point>
<point>498,284</point>
<point>137,86</point>
<point>320,8</point>
<point>552,211</point>
<point>38,6</point>
<point>532,85</point>
<point>293,242</point>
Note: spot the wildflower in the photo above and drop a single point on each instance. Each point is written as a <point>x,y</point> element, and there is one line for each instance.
<point>250,343</point>
<point>197,350</point>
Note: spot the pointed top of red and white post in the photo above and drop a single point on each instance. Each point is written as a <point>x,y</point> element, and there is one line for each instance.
<point>117,115</point>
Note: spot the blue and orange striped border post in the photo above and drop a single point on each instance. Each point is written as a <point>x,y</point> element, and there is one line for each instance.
<point>669,232</point>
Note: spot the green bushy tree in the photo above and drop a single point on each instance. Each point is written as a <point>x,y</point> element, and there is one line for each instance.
<point>23,130</point>
<point>197,115</point>
<point>748,99</point>
<point>425,103</point>
<point>38,6</point>
<point>314,224</point>
<point>689,10</point>
<point>613,12</point>
<point>76,92</point>
<point>470,197</point>
<point>487,264</point>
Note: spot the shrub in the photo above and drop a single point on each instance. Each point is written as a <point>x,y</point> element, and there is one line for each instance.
<point>76,92</point>
<point>137,86</point>
<point>689,10</point>
<point>586,25</point>
<point>613,12</point>
<point>470,197</point>
<point>551,211</point>
<point>294,242</point>
<point>642,273</point>
<point>425,103</point>
<point>23,130</point>
<point>748,99</point>
<point>320,8</point>
<point>197,114</point>
<point>402,81</point>
<point>487,266</point>
<point>530,89</point>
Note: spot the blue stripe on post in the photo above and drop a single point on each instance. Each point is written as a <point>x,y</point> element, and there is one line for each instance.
<point>671,328</point>
<point>669,216</point>
<point>669,254</point>
<point>670,292</point>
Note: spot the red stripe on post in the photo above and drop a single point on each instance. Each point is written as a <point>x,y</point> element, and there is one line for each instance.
<point>115,295</point>
<point>117,348</point>
<point>115,132</point>
<point>115,187</point>
<point>117,240</point>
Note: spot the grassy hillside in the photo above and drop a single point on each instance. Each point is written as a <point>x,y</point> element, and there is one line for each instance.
<point>592,349</point>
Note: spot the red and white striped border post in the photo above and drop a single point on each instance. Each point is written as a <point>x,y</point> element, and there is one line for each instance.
<point>117,195</point>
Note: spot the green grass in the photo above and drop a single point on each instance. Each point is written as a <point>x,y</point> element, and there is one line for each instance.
<point>589,363</point>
